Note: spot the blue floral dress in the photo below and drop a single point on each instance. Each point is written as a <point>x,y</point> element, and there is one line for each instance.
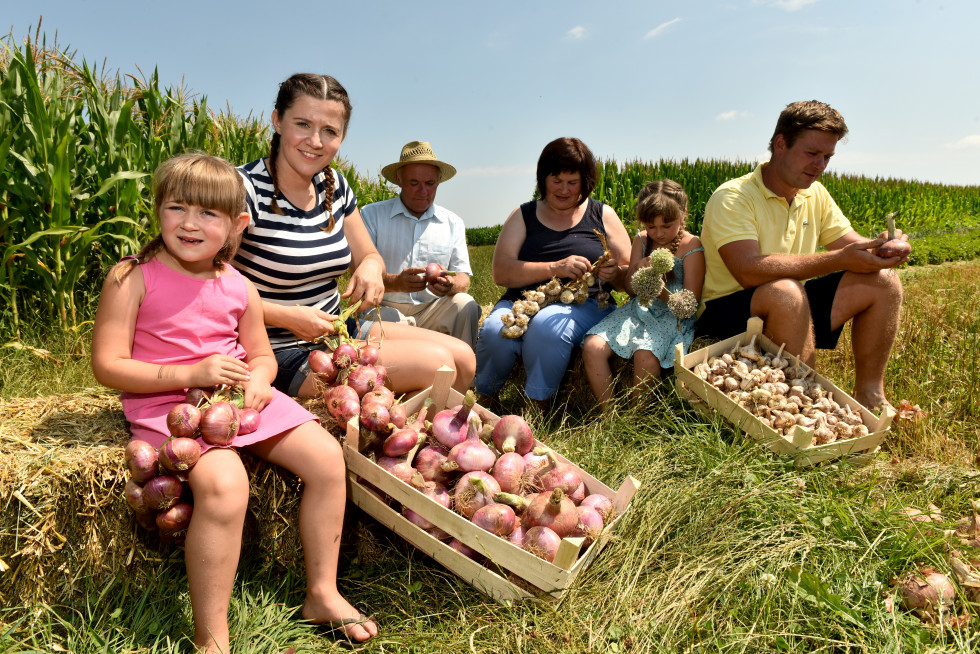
<point>632,327</point>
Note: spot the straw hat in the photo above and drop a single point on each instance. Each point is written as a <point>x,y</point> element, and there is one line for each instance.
<point>418,152</point>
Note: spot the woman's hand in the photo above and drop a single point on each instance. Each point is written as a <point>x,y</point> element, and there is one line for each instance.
<point>217,369</point>
<point>571,267</point>
<point>366,283</point>
<point>305,322</point>
<point>612,273</point>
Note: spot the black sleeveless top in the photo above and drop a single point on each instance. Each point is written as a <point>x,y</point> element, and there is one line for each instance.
<point>546,244</point>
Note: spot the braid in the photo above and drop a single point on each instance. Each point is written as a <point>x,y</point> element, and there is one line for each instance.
<point>145,254</point>
<point>273,153</point>
<point>328,189</point>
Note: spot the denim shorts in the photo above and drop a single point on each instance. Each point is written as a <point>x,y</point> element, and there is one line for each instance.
<point>294,366</point>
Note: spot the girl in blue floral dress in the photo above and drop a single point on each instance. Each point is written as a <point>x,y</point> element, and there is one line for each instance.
<point>647,334</point>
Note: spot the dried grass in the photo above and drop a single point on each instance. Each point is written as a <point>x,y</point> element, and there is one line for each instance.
<point>62,512</point>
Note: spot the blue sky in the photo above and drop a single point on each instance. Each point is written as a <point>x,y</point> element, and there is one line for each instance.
<point>489,84</point>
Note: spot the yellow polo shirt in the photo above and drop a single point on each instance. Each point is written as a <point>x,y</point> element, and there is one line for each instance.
<point>744,209</point>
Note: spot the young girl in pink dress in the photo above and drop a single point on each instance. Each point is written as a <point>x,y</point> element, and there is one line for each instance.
<point>178,316</point>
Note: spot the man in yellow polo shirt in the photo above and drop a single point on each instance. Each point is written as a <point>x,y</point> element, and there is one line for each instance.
<point>778,247</point>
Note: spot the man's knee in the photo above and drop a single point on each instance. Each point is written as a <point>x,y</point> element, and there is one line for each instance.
<point>781,296</point>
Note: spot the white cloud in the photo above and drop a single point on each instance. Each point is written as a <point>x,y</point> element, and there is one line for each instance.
<point>576,33</point>
<point>788,5</point>
<point>659,29</point>
<point>965,143</point>
<point>732,115</point>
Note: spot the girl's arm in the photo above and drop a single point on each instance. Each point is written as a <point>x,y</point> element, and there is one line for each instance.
<point>637,261</point>
<point>694,269</point>
<point>366,282</point>
<point>258,352</point>
<point>112,347</point>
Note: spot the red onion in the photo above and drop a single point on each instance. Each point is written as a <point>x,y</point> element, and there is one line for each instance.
<point>433,272</point>
<point>147,520</point>
<point>542,542</point>
<point>346,410</point>
<point>472,454</point>
<point>133,493</point>
<point>509,472</point>
<point>498,519</point>
<point>375,417</point>
<point>535,459</point>
<point>322,364</point>
<point>198,396</point>
<point>363,379</point>
<point>439,534</point>
<point>382,374</point>
<point>398,466</point>
<point>344,356</point>
<point>578,494</point>
<point>419,423</point>
<point>333,396</point>
<point>381,395</point>
<point>554,511</point>
<point>589,524</point>
<point>429,461</point>
<point>183,420</point>
<point>162,492</point>
<point>179,454</point>
<point>398,415</point>
<point>602,504</point>
<point>896,247</point>
<point>556,474</point>
<point>926,590</point>
<point>449,425</point>
<point>248,421</point>
<point>141,459</point>
<point>368,355</point>
<point>465,549</point>
<point>219,424</point>
<point>468,498</point>
<point>174,521</point>
<point>517,536</point>
<point>401,442</point>
<point>512,434</point>
<point>434,491</point>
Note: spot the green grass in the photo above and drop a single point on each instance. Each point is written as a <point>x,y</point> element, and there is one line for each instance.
<point>725,549</point>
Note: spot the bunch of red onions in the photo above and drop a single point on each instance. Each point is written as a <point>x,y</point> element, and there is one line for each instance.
<point>217,415</point>
<point>498,477</point>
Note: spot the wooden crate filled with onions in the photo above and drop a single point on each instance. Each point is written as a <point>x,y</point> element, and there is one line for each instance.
<point>456,517</point>
<point>777,400</point>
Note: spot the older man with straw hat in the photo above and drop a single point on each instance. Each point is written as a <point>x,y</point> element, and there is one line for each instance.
<point>411,232</point>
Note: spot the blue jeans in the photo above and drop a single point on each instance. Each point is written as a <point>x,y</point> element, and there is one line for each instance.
<point>545,348</point>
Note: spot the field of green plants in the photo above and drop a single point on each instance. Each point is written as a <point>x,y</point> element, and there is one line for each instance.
<point>726,548</point>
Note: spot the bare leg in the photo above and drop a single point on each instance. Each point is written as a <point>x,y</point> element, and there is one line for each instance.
<point>783,306</point>
<point>316,457</point>
<point>412,356</point>
<point>595,354</point>
<point>646,369</point>
<point>214,543</point>
<point>874,302</point>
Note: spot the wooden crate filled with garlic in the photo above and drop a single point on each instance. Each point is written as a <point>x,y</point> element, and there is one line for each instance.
<point>777,400</point>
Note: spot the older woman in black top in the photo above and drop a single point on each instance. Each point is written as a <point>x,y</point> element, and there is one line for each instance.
<point>551,237</point>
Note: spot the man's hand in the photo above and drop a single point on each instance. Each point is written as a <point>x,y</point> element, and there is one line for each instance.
<point>441,285</point>
<point>410,280</point>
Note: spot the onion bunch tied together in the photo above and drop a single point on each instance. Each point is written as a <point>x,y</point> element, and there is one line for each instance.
<point>576,290</point>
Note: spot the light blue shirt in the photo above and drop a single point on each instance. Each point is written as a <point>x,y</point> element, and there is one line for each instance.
<point>405,241</point>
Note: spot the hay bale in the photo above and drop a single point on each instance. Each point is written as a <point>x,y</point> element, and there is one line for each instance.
<point>62,512</point>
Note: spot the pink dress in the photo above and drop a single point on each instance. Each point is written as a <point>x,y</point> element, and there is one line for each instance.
<point>181,321</point>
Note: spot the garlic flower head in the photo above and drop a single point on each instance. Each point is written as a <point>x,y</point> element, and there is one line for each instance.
<point>647,284</point>
<point>661,261</point>
<point>683,303</point>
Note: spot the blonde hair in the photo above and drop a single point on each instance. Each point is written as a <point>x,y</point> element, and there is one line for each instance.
<point>199,179</point>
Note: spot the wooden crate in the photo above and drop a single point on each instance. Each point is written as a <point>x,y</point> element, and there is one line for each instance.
<point>701,393</point>
<point>535,578</point>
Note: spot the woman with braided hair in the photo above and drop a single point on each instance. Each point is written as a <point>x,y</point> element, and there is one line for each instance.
<point>305,232</point>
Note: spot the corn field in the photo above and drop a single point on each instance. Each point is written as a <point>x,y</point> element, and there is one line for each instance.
<point>78,148</point>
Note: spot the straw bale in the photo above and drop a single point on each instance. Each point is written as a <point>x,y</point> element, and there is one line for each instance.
<point>62,513</point>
